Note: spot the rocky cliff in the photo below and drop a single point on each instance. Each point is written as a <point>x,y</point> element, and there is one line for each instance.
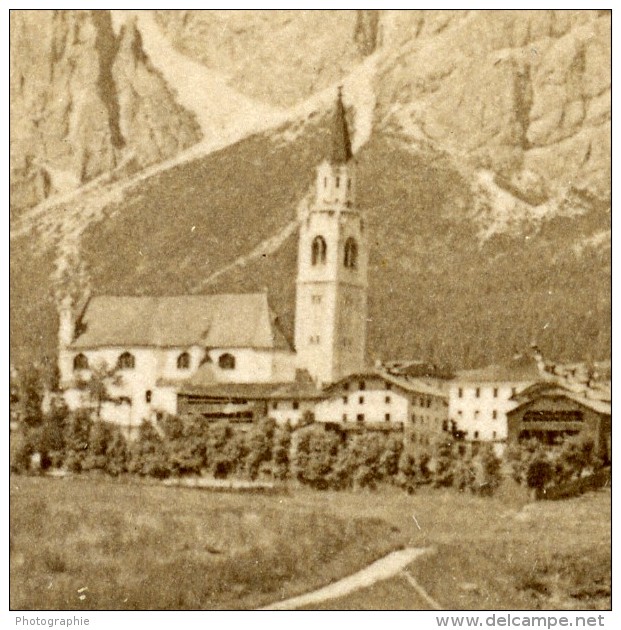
<point>84,100</point>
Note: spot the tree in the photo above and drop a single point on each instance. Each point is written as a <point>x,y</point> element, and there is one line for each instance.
<point>486,468</point>
<point>281,452</point>
<point>539,474</point>
<point>259,444</point>
<point>31,396</point>
<point>78,428</point>
<point>406,477</point>
<point>444,471</point>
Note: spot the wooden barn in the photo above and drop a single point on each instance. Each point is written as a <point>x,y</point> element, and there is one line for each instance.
<point>550,412</point>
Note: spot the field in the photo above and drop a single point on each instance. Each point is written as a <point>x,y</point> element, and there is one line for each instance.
<point>89,543</point>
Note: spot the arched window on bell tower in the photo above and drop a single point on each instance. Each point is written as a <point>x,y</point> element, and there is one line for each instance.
<point>318,251</point>
<point>351,254</point>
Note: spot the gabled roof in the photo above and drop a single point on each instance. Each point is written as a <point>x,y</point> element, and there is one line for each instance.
<point>554,390</point>
<point>410,385</point>
<point>522,369</point>
<point>216,321</point>
<point>341,143</point>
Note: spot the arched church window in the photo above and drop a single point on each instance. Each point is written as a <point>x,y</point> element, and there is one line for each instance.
<point>126,361</point>
<point>351,254</point>
<point>80,362</point>
<point>318,251</point>
<point>183,361</point>
<point>226,361</point>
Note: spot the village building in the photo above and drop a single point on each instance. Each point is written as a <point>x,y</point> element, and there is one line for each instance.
<point>379,400</point>
<point>480,399</point>
<point>550,412</point>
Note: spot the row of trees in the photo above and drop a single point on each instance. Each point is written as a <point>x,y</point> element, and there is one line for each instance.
<point>312,456</point>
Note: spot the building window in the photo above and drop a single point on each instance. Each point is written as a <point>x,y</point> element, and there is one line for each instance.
<point>360,417</point>
<point>361,400</point>
<point>274,405</point>
<point>348,183</point>
<point>344,400</point>
<point>477,392</point>
<point>460,393</point>
<point>183,361</point>
<point>325,182</point>
<point>319,251</point>
<point>344,417</point>
<point>338,182</point>
<point>296,404</point>
<point>226,361</point>
<point>494,415</point>
<point>351,254</point>
<point>387,417</point>
<point>388,386</point>
<point>413,418</point>
<point>494,434</point>
<point>444,425</point>
<point>316,299</point>
<point>346,386</point>
<point>476,435</point>
<point>387,400</point>
<point>80,362</point>
<point>459,412</point>
<point>362,385</point>
<point>495,392</point>
<point>147,396</point>
<point>476,414</point>
<point>126,361</point>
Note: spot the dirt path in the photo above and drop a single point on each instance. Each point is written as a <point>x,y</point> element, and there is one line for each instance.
<point>382,569</point>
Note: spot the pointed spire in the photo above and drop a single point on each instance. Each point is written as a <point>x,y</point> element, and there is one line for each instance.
<point>341,143</point>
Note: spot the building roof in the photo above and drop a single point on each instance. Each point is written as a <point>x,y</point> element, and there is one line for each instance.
<point>216,321</point>
<point>554,390</point>
<point>253,391</point>
<point>522,369</point>
<point>408,384</point>
<point>341,143</point>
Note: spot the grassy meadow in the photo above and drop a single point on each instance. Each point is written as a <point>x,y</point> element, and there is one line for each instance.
<point>92,543</point>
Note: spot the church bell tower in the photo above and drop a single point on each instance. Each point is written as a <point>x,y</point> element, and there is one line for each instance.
<point>331,292</point>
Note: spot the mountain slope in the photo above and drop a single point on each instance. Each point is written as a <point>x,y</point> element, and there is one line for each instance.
<point>435,290</point>
<point>483,149</point>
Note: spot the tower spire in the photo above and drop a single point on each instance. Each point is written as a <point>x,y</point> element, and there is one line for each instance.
<point>341,143</point>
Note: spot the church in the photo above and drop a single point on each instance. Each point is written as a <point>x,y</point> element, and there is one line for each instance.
<point>226,351</point>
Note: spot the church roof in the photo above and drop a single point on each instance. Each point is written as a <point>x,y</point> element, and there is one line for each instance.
<point>341,143</point>
<point>217,321</point>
